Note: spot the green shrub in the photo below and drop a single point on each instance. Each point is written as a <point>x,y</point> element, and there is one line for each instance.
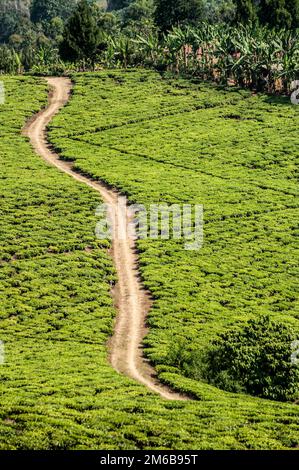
<point>256,360</point>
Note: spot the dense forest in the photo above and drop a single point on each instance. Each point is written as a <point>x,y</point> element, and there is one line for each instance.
<point>253,43</point>
<point>37,18</point>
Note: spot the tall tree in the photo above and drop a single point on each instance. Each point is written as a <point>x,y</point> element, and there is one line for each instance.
<point>81,36</point>
<point>246,11</point>
<point>14,18</point>
<point>293,7</point>
<point>279,13</point>
<point>138,15</point>
<point>45,10</point>
<point>170,13</point>
<point>219,11</point>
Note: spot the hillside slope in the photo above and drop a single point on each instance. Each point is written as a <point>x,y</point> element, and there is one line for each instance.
<point>57,388</point>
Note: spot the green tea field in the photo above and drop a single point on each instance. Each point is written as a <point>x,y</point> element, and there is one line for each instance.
<point>231,151</point>
<point>155,140</point>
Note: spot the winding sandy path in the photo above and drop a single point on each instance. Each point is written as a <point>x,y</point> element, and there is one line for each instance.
<point>132,301</point>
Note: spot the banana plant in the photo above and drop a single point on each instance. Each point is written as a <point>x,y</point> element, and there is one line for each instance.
<point>150,47</point>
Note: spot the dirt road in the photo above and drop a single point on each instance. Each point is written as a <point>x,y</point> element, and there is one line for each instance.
<point>131,300</point>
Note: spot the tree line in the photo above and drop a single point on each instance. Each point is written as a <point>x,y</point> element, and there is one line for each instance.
<point>253,43</point>
<point>30,20</point>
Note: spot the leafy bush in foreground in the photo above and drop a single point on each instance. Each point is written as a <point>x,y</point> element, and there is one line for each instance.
<point>256,360</point>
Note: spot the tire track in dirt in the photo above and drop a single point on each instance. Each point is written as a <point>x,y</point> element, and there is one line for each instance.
<point>131,299</point>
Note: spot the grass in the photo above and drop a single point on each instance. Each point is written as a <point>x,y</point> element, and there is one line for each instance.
<point>57,388</point>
